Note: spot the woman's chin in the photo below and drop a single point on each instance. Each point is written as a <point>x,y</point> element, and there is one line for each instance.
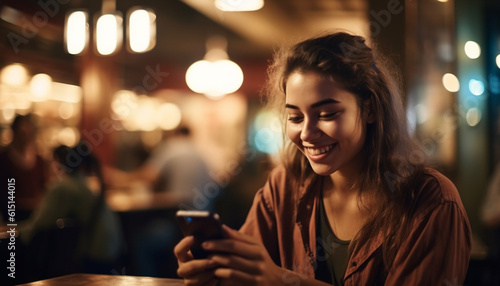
<point>322,170</point>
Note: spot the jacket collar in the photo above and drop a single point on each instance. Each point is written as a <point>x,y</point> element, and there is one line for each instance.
<point>307,210</point>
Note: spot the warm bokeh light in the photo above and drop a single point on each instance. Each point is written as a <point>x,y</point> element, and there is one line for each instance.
<point>123,102</point>
<point>229,77</point>
<point>450,82</point>
<point>68,136</point>
<point>66,92</point>
<point>476,87</point>
<point>108,34</point>
<point>473,116</point>
<point>40,86</point>
<point>6,136</point>
<point>196,76</point>
<point>143,116</point>
<point>239,6</point>
<point>144,113</point>
<point>472,49</point>
<point>76,33</point>
<point>168,116</point>
<point>214,79</point>
<point>8,112</point>
<point>14,74</point>
<point>497,60</point>
<point>141,30</point>
<point>66,110</point>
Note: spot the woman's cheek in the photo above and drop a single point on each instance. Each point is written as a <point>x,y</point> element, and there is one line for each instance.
<point>293,133</point>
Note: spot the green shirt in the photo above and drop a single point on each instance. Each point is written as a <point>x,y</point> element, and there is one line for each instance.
<point>332,253</point>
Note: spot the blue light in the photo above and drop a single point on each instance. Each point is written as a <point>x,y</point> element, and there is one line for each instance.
<point>476,87</point>
<point>268,141</point>
<point>267,132</point>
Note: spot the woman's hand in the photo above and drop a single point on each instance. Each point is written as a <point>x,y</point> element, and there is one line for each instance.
<point>242,261</point>
<point>194,271</point>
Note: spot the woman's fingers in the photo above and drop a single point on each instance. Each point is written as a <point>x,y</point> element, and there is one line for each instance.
<point>195,267</point>
<point>181,250</point>
<point>230,276</point>
<point>205,278</point>
<point>232,246</point>
<point>238,244</point>
<point>236,262</point>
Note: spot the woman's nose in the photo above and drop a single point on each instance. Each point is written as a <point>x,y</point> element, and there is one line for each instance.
<point>310,131</point>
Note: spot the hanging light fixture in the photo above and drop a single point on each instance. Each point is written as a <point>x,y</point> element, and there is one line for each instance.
<point>108,34</point>
<point>215,75</point>
<point>141,29</point>
<point>76,32</point>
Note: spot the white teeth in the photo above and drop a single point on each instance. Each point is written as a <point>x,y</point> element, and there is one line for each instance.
<point>318,151</point>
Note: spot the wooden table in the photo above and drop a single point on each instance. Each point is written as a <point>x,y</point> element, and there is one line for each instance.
<point>105,280</point>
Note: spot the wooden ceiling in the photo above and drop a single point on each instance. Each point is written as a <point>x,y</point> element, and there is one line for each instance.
<point>183,27</point>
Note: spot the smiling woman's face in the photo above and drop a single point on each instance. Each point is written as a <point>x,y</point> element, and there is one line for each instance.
<point>325,122</point>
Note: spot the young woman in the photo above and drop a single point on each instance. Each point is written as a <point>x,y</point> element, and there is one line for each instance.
<point>352,203</point>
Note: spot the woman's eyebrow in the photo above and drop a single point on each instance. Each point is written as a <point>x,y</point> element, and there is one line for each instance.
<point>316,104</point>
<point>323,102</point>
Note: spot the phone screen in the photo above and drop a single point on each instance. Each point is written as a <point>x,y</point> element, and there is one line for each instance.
<point>203,225</point>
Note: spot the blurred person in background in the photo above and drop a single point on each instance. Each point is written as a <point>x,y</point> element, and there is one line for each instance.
<point>175,172</point>
<point>76,200</point>
<point>21,162</point>
<point>177,177</point>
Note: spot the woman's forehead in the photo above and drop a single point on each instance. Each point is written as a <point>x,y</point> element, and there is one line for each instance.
<point>313,86</point>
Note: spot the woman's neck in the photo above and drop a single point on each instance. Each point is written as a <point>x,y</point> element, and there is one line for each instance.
<point>341,184</point>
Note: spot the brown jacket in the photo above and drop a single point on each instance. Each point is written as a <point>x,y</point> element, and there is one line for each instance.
<point>436,251</point>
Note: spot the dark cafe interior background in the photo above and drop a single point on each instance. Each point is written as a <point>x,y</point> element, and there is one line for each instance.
<point>126,85</point>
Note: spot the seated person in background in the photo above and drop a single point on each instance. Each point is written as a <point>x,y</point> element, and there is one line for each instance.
<point>178,178</point>
<point>78,197</point>
<point>175,172</point>
<point>20,161</point>
<point>353,204</point>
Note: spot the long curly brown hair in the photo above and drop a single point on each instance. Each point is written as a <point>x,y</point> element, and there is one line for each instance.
<point>393,162</point>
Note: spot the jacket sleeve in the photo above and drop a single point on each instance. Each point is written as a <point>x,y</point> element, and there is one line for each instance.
<point>437,249</point>
<point>261,220</point>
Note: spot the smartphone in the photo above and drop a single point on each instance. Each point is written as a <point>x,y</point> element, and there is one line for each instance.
<point>203,225</point>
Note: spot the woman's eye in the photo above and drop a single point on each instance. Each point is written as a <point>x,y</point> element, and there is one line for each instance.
<point>294,119</point>
<point>327,116</point>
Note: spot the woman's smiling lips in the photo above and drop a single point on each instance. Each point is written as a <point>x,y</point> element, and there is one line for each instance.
<point>317,153</point>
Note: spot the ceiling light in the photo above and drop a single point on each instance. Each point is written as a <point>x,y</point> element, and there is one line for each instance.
<point>76,32</point>
<point>215,75</point>
<point>141,30</point>
<point>108,34</point>
<point>239,5</point>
